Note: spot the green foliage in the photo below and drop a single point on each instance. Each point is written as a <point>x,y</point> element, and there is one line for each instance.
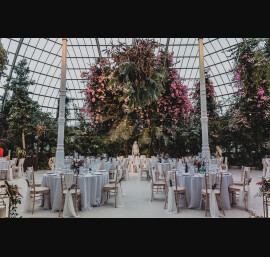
<point>20,153</point>
<point>15,196</point>
<point>3,60</point>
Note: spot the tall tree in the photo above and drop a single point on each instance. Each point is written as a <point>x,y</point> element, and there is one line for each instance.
<point>22,108</point>
<point>3,60</point>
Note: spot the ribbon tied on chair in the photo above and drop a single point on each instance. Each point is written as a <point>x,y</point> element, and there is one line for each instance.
<point>69,210</point>
<point>171,198</point>
<point>214,211</point>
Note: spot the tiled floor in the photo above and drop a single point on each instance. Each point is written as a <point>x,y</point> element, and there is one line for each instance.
<point>137,202</point>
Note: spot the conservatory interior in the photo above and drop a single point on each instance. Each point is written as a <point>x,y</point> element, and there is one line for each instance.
<point>134,127</point>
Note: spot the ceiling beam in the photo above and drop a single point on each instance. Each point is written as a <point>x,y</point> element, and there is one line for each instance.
<point>98,47</point>
<point>167,44</point>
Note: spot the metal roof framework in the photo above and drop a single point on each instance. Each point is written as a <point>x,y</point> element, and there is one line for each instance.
<point>44,60</point>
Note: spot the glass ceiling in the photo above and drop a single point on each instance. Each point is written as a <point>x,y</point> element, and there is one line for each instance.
<point>44,59</point>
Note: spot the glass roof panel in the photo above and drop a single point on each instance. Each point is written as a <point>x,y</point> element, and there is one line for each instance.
<point>44,59</point>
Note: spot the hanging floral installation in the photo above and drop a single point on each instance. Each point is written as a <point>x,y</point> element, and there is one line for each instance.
<point>139,90</point>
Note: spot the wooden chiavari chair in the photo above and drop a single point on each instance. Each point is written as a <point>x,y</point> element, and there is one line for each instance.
<point>37,192</point>
<point>157,185</point>
<point>75,192</point>
<point>6,171</point>
<point>111,188</point>
<point>217,191</point>
<point>179,192</point>
<point>145,170</point>
<point>15,169</point>
<point>234,190</point>
<point>241,182</point>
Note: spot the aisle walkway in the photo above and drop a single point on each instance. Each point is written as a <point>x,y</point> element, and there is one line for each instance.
<point>137,202</point>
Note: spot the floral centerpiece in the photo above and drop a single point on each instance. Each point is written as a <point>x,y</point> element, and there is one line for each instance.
<point>198,163</point>
<point>13,192</point>
<point>76,165</point>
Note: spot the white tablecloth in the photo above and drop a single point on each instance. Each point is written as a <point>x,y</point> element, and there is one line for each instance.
<point>194,185</point>
<point>90,186</point>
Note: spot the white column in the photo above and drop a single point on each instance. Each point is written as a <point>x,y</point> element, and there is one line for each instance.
<point>60,151</point>
<point>204,118</point>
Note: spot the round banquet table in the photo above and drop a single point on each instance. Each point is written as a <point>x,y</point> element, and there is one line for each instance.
<point>89,184</point>
<point>194,185</point>
<point>3,165</point>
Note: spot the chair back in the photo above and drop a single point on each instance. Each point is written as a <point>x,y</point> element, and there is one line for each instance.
<point>171,175</point>
<point>160,168</point>
<point>246,177</point>
<point>164,174</point>
<point>242,173</point>
<point>116,177</point>
<point>154,172</point>
<point>30,176</point>
<point>101,167</point>
<point>120,173</point>
<point>211,179</point>
<point>69,180</point>
<point>21,162</point>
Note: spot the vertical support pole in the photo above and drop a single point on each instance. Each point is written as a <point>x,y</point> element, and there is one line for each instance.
<point>204,118</point>
<point>60,151</point>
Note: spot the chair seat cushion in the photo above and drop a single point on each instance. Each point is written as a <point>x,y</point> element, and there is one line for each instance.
<point>216,191</point>
<point>72,191</point>
<point>179,189</point>
<point>15,168</point>
<point>109,186</point>
<point>235,187</point>
<point>144,170</point>
<point>40,190</point>
<point>159,183</point>
<point>239,183</point>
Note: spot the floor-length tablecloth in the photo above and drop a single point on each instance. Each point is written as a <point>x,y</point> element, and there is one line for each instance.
<point>194,185</point>
<point>90,186</point>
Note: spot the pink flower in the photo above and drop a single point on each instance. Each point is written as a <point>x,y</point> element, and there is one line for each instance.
<point>93,100</point>
<point>261,92</point>
<point>172,94</point>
